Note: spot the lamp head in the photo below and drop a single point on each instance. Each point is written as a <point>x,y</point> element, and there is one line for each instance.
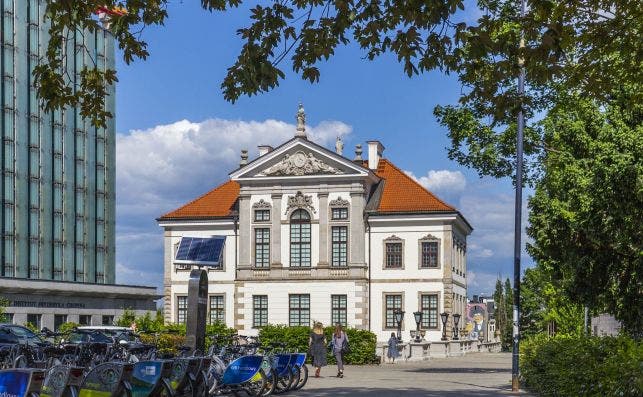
<point>418,317</point>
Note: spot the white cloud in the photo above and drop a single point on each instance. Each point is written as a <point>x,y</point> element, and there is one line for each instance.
<point>446,184</point>
<point>162,167</point>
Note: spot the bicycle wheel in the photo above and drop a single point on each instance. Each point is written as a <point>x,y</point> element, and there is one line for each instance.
<point>284,382</point>
<point>271,382</point>
<point>303,377</point>
<point>296,374</point>
<point>255,388</point>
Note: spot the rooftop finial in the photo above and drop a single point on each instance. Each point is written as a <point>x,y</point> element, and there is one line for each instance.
<point>358,152</point>
<point>301,122</point>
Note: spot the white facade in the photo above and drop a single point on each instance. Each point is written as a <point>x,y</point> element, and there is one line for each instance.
<point>300,175</point>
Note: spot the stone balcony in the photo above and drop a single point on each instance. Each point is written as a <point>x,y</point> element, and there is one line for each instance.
<point>298,273</point>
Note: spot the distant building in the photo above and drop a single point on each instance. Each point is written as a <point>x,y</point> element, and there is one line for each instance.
<point>57,185</point>
<point>605,324</point>
<point>303,234</point>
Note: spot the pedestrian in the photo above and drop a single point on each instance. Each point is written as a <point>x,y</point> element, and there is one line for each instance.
<point>393,351</point>
<point>317,347</point>
<point>340,348</point>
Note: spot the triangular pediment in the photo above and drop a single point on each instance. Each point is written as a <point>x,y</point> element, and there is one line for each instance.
<point>299,158</point>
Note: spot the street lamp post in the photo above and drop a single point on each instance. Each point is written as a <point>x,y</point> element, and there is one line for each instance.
<point>418,321</point>
<point>444,317</point>
<point>456,320</point>
<point>399,316</point>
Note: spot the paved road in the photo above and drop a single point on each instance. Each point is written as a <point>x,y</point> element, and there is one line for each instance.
<point>479,374</point>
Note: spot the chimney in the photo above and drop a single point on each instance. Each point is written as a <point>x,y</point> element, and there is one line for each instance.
<point>375,150</point>
<point>244,158</point>
<point>264,149</point>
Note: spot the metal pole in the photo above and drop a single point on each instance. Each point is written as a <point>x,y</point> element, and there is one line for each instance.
<point>515,363</point>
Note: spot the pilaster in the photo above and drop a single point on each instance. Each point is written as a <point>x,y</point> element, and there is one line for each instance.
<point>323,229</point>
<point>275,232</point>
<point>167,276</point>
<point>244,231</point>
<point>448,277</point>
<point>356,242</point>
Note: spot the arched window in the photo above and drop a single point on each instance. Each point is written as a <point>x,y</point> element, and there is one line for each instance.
<point>300,238</point>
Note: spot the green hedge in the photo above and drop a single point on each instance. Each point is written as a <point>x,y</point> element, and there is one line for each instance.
<point>362,343</point>
<point>582,366</point>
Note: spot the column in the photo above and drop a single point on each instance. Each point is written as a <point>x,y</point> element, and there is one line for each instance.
<point>275,232</point>
<point>167,276</point>
<point>356,241</point>
<point>323,230</point>
<point>244,232</point>
<point>447,279</point>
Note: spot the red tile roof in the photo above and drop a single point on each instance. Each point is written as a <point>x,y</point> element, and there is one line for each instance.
<point>399,194</point>
<point>217,203</point>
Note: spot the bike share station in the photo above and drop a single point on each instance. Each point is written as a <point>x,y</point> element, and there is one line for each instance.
<point>122,368</point>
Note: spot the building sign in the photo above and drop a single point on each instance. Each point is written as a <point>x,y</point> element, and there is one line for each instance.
<point>46,304</point>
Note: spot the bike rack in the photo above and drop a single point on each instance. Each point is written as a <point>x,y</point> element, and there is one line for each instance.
<point>61,378</point>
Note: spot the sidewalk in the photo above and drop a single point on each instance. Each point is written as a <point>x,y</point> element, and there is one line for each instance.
<point>480,374</point>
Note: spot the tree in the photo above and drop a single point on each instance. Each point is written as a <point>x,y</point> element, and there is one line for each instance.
<point>507,329</point>
<point>3,305</point>
<point>500,311</point>
<point>585,215</point>
<point>543,302</point>
<point>571,43</point>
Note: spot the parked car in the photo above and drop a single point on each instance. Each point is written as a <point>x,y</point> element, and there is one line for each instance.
<point>11,334</point>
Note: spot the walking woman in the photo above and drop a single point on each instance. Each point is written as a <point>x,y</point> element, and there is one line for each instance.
<point>317,347</point>
<point>340,347</point>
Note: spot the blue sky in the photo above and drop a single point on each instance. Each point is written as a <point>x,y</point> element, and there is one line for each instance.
<point>178,137</point>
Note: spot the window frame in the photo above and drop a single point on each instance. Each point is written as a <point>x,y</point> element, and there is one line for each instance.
<point>339,310</point>
<point>340,242</point>
<point>217,309</point>
<point>429,239</point>
<point>421,308</point>
<point>385,308</point>
<point>181,310</point>
<point>264,211</point>
<point>339,208</point>
<point>265,247</point>
<point>298,224</point>
<point>299,309</point>
<point>260,312</point>
<point>390,241</point>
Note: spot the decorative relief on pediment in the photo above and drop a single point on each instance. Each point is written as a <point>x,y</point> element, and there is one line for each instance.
<point>429,237</point>
<point>261,204</point>
<point>339,202</point>
<point>300,200</point>
<point>299,164</point>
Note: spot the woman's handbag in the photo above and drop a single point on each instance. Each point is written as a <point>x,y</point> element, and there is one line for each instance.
<point>346,347</point>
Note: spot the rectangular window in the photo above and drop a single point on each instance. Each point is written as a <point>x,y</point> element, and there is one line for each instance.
<point>429,254</point>
<point>262,247</point>
<point>262,215</point>
<point>300,245</point>
<point>259,311</point>
<point>217,309</point>
<point>338,310</point>
<point>8,318</point>
<point>393,255</point>
<point>181,309</point>
<point>340,213</point>
<point>108,320</point>
<point>299,310</point>
<point>84,319</point>
<point>339,252</point>
<point>59,319</point>
<point>391,303</point>
<point>429,309</point>
<point>35,320</point>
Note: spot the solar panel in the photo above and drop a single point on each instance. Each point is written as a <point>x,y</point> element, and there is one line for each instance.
<point>201,251</point>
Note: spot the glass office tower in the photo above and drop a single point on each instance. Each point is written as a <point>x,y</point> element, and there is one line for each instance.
<point>57,183</point>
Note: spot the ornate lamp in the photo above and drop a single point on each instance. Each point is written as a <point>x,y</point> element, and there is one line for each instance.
<point>456,320</point>
<point>418,320</point>
<point>444,317</point>
<point>399,316</point>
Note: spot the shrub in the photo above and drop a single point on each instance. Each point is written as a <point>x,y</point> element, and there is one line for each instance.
<point>362,342</point>
<point>567,365</point>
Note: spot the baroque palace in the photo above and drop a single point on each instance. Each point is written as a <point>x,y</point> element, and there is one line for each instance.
<point>303,234</point>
